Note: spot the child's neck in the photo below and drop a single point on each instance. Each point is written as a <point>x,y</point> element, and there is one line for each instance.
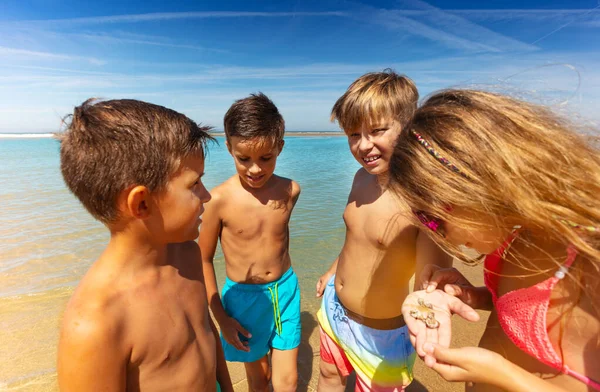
<point>382,180</point>
<point>136,250</point>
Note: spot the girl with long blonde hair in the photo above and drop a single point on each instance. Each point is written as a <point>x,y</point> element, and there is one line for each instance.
<point>520,185</point>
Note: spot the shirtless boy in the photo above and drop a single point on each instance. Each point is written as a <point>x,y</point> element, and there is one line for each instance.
<point>361,321</point>
<point>139,320</point>
<point>259,311</point>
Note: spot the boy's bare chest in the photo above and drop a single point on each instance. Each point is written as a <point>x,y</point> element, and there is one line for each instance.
<point>380,221</point>
<point>169,324</point>
<point>249,219</point>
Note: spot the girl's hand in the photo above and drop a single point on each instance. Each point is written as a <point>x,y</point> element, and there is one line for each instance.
<point>443,306</point>
<point>475,364</point>
<point>451,281</point>
<point>466,364</point>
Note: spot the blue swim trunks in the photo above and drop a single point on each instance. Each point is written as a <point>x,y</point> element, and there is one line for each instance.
<point>270,312</point>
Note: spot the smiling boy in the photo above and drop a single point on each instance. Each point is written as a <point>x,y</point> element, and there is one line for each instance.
<point>361,321</point>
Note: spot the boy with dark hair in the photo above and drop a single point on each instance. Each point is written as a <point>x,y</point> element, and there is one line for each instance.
<point>259,308</point>
<point>139,318</point>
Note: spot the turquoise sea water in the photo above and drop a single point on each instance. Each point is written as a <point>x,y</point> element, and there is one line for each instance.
<point>48,241</point>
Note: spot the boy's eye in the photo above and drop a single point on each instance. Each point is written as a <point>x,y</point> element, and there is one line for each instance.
<point>243,159</point>
<point>378,130</point>
<point>354,135</point>
<point>266,158</point>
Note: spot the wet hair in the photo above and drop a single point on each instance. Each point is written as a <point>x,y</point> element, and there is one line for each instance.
<point>376,96</point>
<point>108,146</point>
<point>255,116</point>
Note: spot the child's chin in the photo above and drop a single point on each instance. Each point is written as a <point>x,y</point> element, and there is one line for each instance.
<point>376,170</point>
<point>191,236</point>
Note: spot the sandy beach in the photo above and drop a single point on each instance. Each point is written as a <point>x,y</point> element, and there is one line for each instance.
<point>463,334</point>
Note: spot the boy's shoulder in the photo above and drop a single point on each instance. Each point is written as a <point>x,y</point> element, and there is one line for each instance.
<point>361,173</point>
<point>286,183</point>
<point>285,188</point>
<point>94,311</point>
<point>363,179</point>
<point>225,189</point>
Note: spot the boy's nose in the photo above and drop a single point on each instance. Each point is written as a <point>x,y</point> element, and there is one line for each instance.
<point>254,169</point>
<point>365,144</point>
<point>205,195</point>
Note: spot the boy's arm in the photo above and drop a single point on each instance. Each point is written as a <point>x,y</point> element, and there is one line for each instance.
<point>209,235</point>
<point>322,282</point>
<point>222,371</point>
<point>428,252</point>
<point>295,192</point>
<point>89,357</point>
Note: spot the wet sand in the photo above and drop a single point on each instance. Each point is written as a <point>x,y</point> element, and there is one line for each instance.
<point>463,334</point>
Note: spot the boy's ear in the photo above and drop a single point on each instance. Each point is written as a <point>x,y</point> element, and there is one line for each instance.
<point>228,145</point>
<point>138,202</point>
<point>281,144</point>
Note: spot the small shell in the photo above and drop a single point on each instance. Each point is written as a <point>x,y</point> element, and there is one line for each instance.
<point>421,302</point>
<point>432,323</point>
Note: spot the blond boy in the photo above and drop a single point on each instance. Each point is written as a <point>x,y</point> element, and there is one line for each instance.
<point>362,327</point>
<point>139,320</point>
<point>259,311</point>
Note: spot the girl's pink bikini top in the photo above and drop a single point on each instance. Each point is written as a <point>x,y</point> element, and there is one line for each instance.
<point>522,312</point>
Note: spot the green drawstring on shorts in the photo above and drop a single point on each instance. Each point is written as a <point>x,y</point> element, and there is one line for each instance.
<point>276,311</point>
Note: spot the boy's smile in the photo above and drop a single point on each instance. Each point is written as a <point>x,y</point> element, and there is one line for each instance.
<point>372,159</point>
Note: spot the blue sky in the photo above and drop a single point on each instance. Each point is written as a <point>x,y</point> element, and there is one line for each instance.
<point>198,57</point>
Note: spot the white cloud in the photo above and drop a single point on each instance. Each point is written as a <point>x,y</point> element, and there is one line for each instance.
<point>161,16</point>
<point>16,53</point>
<point>439,26</point>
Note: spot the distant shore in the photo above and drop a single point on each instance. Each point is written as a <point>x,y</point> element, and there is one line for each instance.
<point>25,135</point>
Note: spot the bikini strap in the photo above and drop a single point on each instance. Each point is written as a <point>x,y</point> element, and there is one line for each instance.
<point>509,241</point>
<point>571,256</point>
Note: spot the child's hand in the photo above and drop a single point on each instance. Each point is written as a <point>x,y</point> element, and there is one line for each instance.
<point>443,306</point>
<point>454,283</point>
<point>322,282</point>
<point>231,329</point>
<point>465,364</point>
